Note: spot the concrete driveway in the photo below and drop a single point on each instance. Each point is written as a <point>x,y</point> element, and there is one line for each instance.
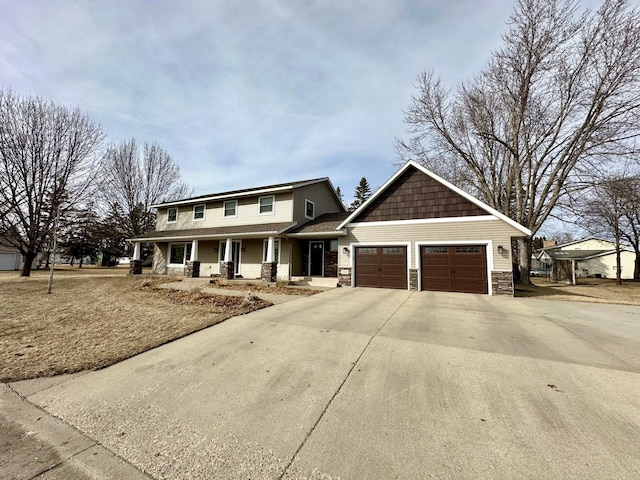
<point>365,383</point>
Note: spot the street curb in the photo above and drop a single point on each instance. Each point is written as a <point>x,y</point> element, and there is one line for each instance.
<point>76,455</point>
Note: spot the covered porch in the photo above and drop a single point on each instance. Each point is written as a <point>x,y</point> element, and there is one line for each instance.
<point>239,252</point>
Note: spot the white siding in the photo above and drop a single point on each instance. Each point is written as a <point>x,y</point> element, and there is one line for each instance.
<point>246,214</point>
<point>590,244</point>
<point>606,266</point>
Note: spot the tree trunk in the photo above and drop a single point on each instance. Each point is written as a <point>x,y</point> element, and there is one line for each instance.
<point>618,265</point>
<point>525,249</point>
<point>28,261</point>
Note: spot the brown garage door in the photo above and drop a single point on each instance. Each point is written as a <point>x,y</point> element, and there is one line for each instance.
<point>382,267</point>
<point>454,268</point>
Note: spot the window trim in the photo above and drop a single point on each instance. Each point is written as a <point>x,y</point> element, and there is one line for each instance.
<point>265,244</point>
<point>313,208</point>
<point>204,210</point>
<point>224,209</point>
<point>185,257</point>
<point>168,215</point>
<point>273,205</point>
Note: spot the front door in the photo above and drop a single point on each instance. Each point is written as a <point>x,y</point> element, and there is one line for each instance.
<point>235,254</point>
<point>316,258</point>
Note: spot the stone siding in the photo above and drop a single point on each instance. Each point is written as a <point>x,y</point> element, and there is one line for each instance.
<point>227,270</point>
<point>344,277</point>
<point>269,271</point>
<point>192,270</point>
<point>413,279</point>
<point>502,283</point>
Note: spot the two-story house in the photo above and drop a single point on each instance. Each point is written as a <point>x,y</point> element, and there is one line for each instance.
<point>241,233</point>
<point>417,231</point>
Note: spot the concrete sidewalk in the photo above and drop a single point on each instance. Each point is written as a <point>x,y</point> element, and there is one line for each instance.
<point>365,383</point>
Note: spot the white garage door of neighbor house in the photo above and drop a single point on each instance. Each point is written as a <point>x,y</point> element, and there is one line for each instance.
<point>7,261</point>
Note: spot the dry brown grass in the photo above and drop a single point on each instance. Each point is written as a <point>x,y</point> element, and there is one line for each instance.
<point>96,317</point>
<point>595,290</point>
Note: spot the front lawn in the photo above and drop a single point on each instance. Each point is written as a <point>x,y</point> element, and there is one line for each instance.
<point>597,290</point>
<point>96,317</point>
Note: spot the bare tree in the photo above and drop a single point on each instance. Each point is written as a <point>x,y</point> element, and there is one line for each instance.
<point>555,103</point>
<point>46,156</point>
<point>603,211</point>
<point>136,180</point>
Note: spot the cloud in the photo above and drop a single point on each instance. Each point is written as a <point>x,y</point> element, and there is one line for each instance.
<point>253,92</point>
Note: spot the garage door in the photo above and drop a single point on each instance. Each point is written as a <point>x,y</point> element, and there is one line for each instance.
<point>7,261</point>
<point>382,267</point>
<point>460,268</point>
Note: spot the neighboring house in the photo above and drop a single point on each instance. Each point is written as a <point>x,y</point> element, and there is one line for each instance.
<point>417,232</point>
<point>589,257</point>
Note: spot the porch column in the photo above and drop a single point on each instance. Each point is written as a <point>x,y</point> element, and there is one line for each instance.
<point>136,251</point>
<point>135,264</point>
<point>193,264</point>
<point>269,267</point>
<point>269,250</point>
<point>227,268</point>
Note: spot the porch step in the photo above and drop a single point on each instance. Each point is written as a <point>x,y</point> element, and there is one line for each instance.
<point>315,281</point>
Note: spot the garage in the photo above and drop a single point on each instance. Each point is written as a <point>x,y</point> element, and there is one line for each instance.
<point>454,268</point>
<point>381,267</point>
<point>7,261</point>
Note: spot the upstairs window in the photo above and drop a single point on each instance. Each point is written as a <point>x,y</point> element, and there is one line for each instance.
<point>230,208</point>
<point>198,212</point>
<point>266,205</point>
<point>309,209</point>
<point>172,215</point>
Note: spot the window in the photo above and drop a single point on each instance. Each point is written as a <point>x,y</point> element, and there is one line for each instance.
<point>472,249</point>
<point>333,245</point>
<point>230,207</point>
<point>392,250</point>
<point>172,215</point>
<point>179,253</point>
<point>367,250</point>
<point>276,250</point>
<point>198,212</point>
<point>309,209</point>
<point>436,249</point>
<point>266,205</point>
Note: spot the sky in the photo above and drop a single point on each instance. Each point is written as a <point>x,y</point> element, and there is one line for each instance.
<point>253,92</point>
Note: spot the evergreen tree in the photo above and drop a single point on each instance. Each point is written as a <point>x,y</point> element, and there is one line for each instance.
<point>361,194</point>
<point>339,194</point>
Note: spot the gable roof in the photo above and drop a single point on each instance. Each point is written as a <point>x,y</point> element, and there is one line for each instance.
<point>465,195</point>
<point>248,192</point>
<point>325,224</point>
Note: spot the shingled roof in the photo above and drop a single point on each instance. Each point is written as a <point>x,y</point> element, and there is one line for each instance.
<point>216,232</point>
<point>326,223</point>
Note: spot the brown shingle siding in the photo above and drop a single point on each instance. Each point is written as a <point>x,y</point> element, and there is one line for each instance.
<point>415,195</point>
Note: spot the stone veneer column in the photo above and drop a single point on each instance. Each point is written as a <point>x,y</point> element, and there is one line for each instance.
<point>413,279</point>
<point>193,269</point>
<point>344,277</point>
<point>135,267</point>
<point>227,271</point>
<point>502,283</point>
<point>269,271</point>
